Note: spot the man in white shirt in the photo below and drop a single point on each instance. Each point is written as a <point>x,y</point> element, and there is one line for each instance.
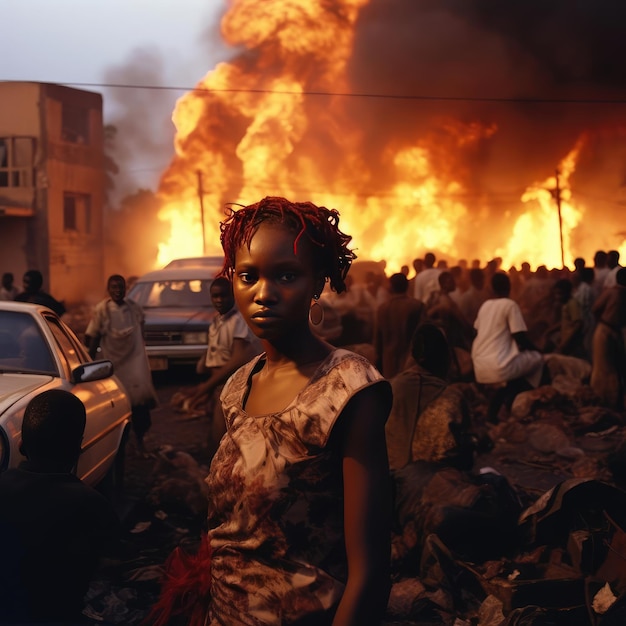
<point>231,344</point>
<point>501,351</point>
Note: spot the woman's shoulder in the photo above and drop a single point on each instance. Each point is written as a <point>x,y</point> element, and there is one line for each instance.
<point>343,373</point>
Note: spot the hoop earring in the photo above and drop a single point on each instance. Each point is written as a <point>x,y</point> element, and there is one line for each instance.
<point>316,312</point>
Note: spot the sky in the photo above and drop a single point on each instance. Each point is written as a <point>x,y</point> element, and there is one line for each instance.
<point>87,43</point>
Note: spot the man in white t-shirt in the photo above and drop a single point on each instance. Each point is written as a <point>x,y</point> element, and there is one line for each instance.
<point>231,344</point>
<point>501,351</point>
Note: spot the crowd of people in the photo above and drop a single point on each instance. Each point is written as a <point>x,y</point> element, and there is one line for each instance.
<point>501,325</point>
<point>308,431</point>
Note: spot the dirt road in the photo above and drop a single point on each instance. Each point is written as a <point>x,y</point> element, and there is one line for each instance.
<point>162,506</point>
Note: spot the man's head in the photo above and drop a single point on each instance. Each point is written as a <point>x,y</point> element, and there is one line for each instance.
<point>612,258</point>
<point>52,430</point>
<point>32,281</point>
<point>398,283</point>
<point>563,289</point>
<point>431,350</point>
<point>429,260</point>
<point>477,278</point>
<point>599,258</point>
<point>446,282</point>
<point>222,297</point>
<point>501,285</point>
<point>116,287</point>
<point>7,280</point>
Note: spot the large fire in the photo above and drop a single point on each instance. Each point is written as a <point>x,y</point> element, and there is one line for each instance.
<point>275,121</point>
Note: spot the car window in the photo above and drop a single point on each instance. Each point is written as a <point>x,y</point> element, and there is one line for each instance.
<point>172,293</point>
<point>72,356</point>
<point>23,346</point>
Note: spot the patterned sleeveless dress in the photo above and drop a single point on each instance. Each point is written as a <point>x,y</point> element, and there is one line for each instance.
<point>276,501</point>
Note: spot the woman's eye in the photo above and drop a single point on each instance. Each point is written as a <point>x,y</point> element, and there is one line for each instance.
<point>287,277</point>
<point>246,278</point>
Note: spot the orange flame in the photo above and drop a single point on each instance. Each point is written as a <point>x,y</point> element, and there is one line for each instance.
<point>537,233</point>
<point>267,123</point>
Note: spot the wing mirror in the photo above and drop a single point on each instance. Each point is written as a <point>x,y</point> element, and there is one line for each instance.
<point>96,370</point>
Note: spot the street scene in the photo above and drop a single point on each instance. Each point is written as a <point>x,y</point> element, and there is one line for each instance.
<point>313,313</point>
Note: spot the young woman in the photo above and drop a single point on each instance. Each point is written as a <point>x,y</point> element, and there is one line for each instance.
<point>300,507</point>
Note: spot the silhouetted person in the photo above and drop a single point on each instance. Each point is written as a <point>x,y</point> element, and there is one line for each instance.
<point>8,291</point>
<point>601,269</point>
<point>566,336</point>
<point>608,361</point>
<point>396,321</point>
<point>53,527</point>
<point>472,299</point>
<point>612,261</point>
<point>429,419</point>
<point>426,281</point>
<point>33,292</point>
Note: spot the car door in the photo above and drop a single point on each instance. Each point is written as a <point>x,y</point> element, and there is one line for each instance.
<point>106,405</point>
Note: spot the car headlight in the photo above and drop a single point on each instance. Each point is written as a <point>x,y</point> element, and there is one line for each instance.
<point>195,338</point>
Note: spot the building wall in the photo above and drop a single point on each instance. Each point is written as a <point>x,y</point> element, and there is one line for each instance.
<point>19,117</point>
<point>75,172</point>
<point>68,168</point>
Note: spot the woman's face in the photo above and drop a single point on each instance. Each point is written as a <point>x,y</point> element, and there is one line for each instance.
<point>273,286</point>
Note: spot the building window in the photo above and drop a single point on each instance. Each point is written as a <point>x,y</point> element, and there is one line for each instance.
<point>77,212</point>
<point>74,124</point>
<point>17,160</point>
<point>69,212</point>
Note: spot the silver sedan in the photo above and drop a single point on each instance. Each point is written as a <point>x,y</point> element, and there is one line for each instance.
<point>38,351</point>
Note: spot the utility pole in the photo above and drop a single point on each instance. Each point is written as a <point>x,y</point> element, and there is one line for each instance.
<point>201,198</point>
<point>557,195</point>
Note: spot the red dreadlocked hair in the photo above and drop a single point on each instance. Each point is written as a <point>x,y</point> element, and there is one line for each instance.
<point>318,224</point>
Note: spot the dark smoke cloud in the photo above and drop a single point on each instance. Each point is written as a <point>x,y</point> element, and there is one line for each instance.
<point>535,49</point>
<point>142,117</point>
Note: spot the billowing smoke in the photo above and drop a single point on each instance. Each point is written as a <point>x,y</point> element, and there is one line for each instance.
<point>496,93</point>
<point>464,53</point>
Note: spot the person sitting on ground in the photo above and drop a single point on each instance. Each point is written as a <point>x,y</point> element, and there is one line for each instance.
<point>53,528</point>
<point>231,344</point>
<point>501,351</point>
<point>32,282</point>
<point>396,321</point>
<point>429,419</point>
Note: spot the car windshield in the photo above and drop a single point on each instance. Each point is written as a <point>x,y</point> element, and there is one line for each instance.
<point>23,347</point>
<point>172,293</point>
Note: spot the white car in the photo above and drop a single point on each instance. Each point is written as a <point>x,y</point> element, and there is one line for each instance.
<point>39,352</point>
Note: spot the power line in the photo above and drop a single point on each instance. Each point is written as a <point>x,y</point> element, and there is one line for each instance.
<point>381,96</point>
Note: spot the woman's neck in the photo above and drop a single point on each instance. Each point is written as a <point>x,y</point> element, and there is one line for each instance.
<point>309,349</point>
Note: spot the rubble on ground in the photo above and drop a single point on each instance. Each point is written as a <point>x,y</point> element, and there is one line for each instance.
<point>533,534</point>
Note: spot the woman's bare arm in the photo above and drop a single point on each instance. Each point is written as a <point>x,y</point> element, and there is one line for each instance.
<point>367,508</point>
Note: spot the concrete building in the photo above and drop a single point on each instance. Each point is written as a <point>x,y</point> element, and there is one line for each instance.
<point>52,188</point>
